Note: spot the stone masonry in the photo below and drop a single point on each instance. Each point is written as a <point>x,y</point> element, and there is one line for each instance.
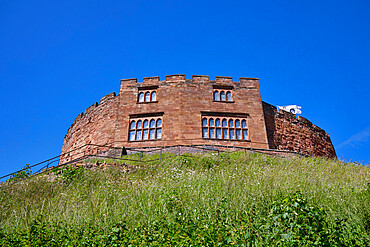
<point>182,104</point>
<point>286,132</point>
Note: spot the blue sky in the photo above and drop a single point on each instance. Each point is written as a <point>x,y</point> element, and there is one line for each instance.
<point>59,57</point>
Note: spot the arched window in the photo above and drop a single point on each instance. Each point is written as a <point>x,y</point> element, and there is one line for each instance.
<point>224,122</point>
<point>146,124</point>
<point>218,122</point>
<point>216,96</point>
<point>139,130</point>
<point>143,129</point>
<point>132,125</point>
<point>147,97</point>
<point>153,96</point>
<point>139,124</point>
<point>152,129</point>
<point>141,97</point>
<point>228,96</point>
<point>244,124</point>
<point>225,128</point>
<point>222,96</point>
<point>132,131</point>
<point>231,123</point>
<point>159,123</point>
<point>204,122</point>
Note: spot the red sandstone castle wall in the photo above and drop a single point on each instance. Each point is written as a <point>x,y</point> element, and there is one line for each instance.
<point>181,101</point>
<point>286,132</point>
<point>95,126</point>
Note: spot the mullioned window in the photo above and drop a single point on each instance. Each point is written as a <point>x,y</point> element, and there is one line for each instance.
<point>224,128</point>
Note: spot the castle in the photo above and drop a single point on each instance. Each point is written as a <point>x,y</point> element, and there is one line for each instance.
<point>180,111</point>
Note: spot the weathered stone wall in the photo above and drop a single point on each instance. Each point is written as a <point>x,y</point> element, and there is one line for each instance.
<point>183,101</point>
<point>286,132</point>
<point>95,126</point>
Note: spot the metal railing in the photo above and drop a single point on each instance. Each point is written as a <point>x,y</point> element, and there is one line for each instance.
<point>89,151</point>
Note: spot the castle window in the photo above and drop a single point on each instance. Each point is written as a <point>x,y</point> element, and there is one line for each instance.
<point>227,128</point>
<point>228,96</point>
<point>132,131</point>
<point>141,97</point>
<point>147,95</point>
<point>222,96</point>
<point>159,129</point>
<point>153,96</point>
<point>145,129</point>
<point>216,96</point>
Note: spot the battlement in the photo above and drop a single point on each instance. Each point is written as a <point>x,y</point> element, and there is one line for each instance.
<point>200,110</point>
<point>198,79</point>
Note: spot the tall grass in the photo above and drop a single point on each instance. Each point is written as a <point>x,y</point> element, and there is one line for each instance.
<point>205,200</point>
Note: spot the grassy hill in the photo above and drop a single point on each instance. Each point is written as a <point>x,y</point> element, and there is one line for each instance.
<point>193,200</point>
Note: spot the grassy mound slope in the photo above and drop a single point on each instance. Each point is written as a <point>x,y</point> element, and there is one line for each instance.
<point>197,200</point>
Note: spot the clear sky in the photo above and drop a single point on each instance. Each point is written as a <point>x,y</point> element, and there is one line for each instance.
<point>59,57</point>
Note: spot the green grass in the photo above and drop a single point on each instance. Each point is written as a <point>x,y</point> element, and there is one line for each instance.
<point>199,200</point>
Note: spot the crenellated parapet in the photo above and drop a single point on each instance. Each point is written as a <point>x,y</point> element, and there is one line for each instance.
<point>244,82</point>
<point>176,110</point>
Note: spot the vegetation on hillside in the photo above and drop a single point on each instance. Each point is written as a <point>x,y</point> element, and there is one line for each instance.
<point>193,200</point>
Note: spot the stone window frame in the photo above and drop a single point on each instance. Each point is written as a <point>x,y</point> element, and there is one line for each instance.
<point>142,132</point>
<point>219,128</point>
<point>147,95</point>
<point>222,94</point>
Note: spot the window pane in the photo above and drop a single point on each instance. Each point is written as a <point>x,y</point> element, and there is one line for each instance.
<point>204,122</point>
<point>159,133</point>
<point>237,123</point>
<point>222,94</point>
<point>216,96</point>
<point>132,135</point>
<point>152,134</point>
<point>211,122</point>
<point>211,133</point>
<point>218,134</point>
<point>141,97</point>
<point>159,122</point>
<point>244,124</point>
<point>228,96</point>
<point>132,125</point>
<point>139,124</point>
<point>232,134</point>
<point>238,135</point>
<point>146,124</point>
<point>138,135</point>
<point>147,97</point>
<point>245,134</point>
<point>225,133</point>
<point>231,123</point>
<point>145,134</point>
<point>154,96</point>
<point>218,122</point>
<point>205,132</point>
<point>224,123</point>
<point>152,123</point>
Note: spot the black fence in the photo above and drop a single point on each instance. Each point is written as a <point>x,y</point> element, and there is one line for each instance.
<point>89,151</point>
